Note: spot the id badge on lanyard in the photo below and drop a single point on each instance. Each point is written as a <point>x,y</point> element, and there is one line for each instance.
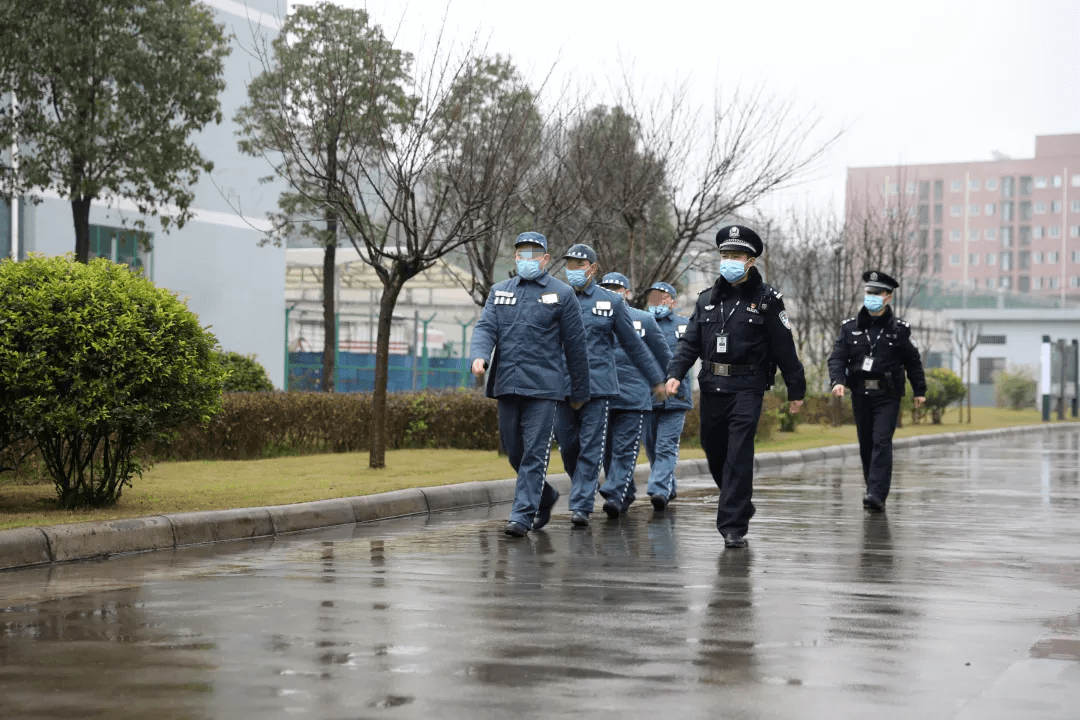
<point>721,343</point>
<point>868,364</point>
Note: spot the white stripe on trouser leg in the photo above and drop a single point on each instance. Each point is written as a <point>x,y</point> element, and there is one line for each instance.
<point>637,449</point>
<point>603,445</point>
<point>547,458</point>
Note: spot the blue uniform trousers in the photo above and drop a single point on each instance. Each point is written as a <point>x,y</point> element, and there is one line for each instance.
<point>526,426</point>
<point>875,423</point>
<point>728,425</point>
<point>623,446</point>
<point>662,434</point>
<point>581,435</point>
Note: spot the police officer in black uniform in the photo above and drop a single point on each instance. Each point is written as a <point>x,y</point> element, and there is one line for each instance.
<point>870,356</point>
<point>741,333</point>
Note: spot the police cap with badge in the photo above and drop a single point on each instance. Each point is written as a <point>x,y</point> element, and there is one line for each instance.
<point>740,238</point>
<point>877,282</point>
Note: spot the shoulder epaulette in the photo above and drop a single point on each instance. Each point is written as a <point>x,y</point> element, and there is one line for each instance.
<point>903,322</point>
<point>849,320</point>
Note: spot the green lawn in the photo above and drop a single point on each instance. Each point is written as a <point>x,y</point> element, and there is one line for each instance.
<point>212,485</point>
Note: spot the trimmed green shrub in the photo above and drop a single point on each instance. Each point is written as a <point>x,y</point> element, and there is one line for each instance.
<point>244,373</point>
<point>1015,389</point>
<point>943,387</point>
<point>95,361</point>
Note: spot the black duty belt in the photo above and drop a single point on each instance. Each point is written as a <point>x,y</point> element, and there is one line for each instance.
<point>724,370</point>
<point>872,385</point>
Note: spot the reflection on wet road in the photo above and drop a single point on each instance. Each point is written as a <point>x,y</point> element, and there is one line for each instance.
<point>960,602</point>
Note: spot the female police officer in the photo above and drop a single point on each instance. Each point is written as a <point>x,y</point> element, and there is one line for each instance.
<point>870,355</point>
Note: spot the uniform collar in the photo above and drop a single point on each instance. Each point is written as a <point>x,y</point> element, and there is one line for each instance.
<point>588,290</point>
<point>542,281</point>
<point>865,319</point>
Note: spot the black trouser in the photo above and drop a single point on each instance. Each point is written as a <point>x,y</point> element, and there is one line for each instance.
<point>728,425</point>
<point>875,422</point>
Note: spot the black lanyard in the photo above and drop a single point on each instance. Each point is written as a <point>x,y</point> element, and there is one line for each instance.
<point>873,345</point>
<point>725,319</point>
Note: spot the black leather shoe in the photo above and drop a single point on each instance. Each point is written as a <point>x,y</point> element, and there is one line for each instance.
<point>612,509</point>
<point>872,504</point>
<point>543,513</point>
<point>580,519</point>
<point>659,502</point>
<point>734,540</point>
<point>515,529</point>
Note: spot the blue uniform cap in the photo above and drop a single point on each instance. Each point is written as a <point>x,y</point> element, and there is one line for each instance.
<point>581,251</point>
<point>664,287</point>
<point>531,238</point>
<point>614,278</point>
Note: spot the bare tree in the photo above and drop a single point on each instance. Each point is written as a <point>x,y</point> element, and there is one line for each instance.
<point>967,338</point>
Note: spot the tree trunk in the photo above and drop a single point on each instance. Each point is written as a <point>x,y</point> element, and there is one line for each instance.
<point>329,356</point>
<point>80,213</point>
<point>391,290</point>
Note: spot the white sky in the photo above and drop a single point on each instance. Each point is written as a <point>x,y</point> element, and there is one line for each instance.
<point>915,81</point>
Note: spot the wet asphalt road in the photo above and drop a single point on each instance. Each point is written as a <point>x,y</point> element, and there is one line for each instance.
<point>960,602</point>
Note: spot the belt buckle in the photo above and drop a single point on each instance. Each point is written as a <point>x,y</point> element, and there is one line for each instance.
<point>873,384</point>
<point>722,369</point>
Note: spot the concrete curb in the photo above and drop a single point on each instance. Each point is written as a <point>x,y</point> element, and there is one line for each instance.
<point>25,547</point>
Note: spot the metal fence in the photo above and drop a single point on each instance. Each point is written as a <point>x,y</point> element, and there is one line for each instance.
<point>356,372</point>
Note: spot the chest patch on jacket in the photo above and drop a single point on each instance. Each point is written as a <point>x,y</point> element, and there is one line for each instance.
<point>680,330</point>
<point>550,298</point>
<point>502,297</point>
<point>639,328</point>
<point>602,308</point>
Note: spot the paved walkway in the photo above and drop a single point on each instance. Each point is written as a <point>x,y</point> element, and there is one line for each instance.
<point>961,602</point>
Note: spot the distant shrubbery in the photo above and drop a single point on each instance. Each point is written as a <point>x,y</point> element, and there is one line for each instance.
<point>244,373</point>
<point>1015,389</point>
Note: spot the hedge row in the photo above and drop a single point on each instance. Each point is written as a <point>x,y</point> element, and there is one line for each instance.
<point>260,425</point>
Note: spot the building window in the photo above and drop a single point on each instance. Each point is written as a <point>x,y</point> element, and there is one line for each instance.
<point>988,368</point>
<point>1024,258</point>
<point>1037,283</point>
<point>924,189</point>
<point>990,283</point>
<point>1074,231</point>
<point>973,185</point>
<point>924,214</point>
<point>1051,282</point>
<point>120,245</point>
<point>1074,206</point>
<point>1057,181</point>
<point>956,210</point>
<point>988,209</point>
<point>1006,261</point>
<point>1025,210</point>
<point>1074,281</point>
<point>1008,186</point>
<point>1036,258</point>
<point>1076,256</point>
<point>973,233</point>
<point>910,188</point>
<point>1037,232</point>
<point>1052,258</point>
<point>956,185</point>
<point>939,189</point>
<point>973,210</point>
<point>937,263</point>
<point>991,259</point>
<point>1054,231</point>
<point>1040,181</point>
<point>1006,237</point>
<point>937,214</point>
<point>1025,185</point>
<point>1007,211</point>
<point>1076,180</point>
<point>1023,283</point>
<point>954,235</point>
<point>1006,282</point>
<point>991,233</point>
<point>1040,207</point>
<point>937,238</point>
<point>954,259</point>
<point>1025,235</point>
<point>973,259</point>
<point>1055,206</point>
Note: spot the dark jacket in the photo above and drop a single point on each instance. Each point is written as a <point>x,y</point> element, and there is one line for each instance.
<point>531,331</point>
<point>887,339</point>
<point>758,339</point>
<point>673,326</point>
<point>635,393</point>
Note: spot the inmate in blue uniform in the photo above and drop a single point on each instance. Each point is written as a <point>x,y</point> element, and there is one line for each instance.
<point>664,425</point>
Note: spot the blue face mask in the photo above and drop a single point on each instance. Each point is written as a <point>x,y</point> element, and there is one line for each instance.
<point>576,278</point>
<point>660,311</point>
<point>873,303</point>
<point>529,269</point>
<point>732,270</point>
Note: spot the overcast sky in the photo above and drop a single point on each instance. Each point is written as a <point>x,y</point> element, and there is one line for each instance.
<point>909,82</point>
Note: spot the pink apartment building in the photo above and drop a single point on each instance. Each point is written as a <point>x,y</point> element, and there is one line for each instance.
<point>1005,224</point>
